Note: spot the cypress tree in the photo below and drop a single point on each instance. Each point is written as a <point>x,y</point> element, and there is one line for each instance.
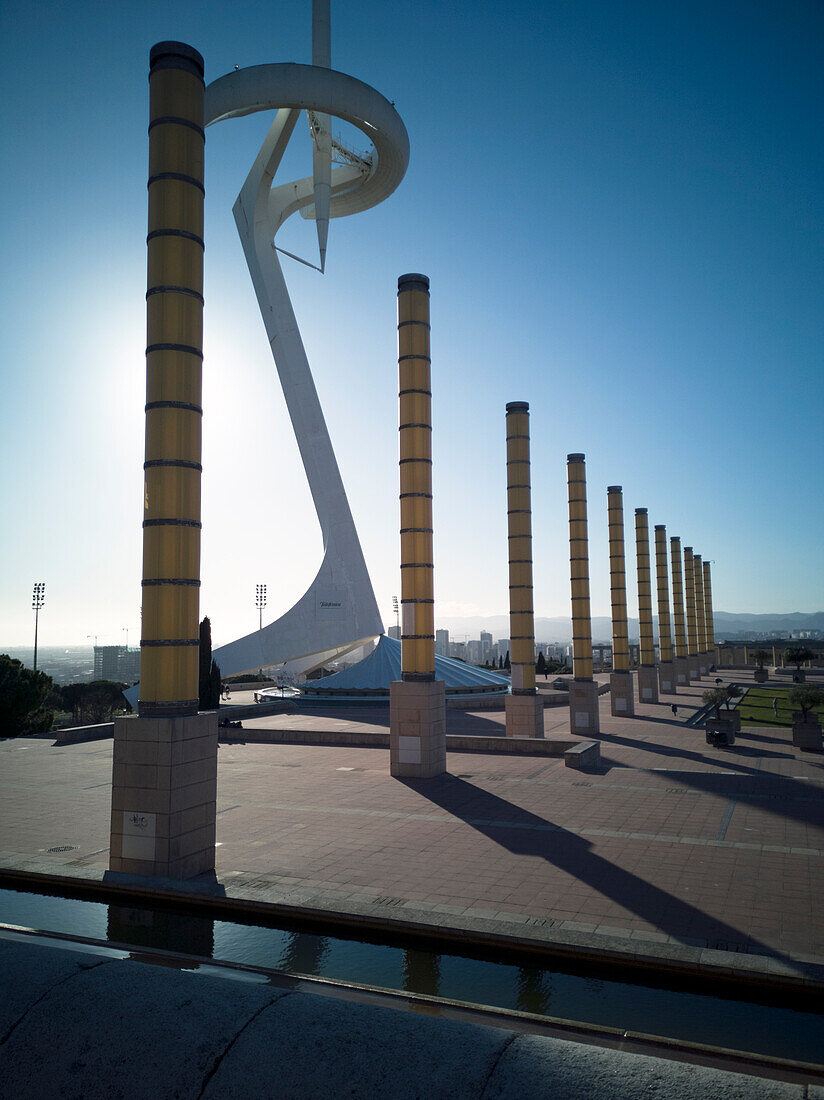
<point>205,667</point>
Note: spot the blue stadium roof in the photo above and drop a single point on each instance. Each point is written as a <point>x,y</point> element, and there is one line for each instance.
<point>383,665</point>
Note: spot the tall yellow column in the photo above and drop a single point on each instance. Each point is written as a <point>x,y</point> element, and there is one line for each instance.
<point>647,671</point>
<point>174,365</point>
<point>682,672</point>
<point>708,609</point>
<point>524,707</point>
<point>620,681</point>
<point>692,621</point>
<point>417,725</point>
<point>666,668</point>
<point>163,812</point>
<point>583,693</point>
<point>700,617</point>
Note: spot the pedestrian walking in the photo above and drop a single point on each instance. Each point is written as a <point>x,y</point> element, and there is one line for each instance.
<point>674,710</point>
<point>775,706</point>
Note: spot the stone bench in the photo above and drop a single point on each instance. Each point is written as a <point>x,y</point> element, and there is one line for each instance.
<point>586,754</point>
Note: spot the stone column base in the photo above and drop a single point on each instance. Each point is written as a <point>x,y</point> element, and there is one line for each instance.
<point>620,694</point>
<point>583,708</point>
<point>417,728</point>
<point>524,716</point>
<point>682,671</point>
<point>648,684</point>
<point>666,678</point>
<point>164,789</point>
<point>692,665</point>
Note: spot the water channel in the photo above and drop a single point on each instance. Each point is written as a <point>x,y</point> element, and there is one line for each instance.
<point>502,980</point>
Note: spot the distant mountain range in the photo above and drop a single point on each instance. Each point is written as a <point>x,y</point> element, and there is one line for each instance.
<point>559,629</point>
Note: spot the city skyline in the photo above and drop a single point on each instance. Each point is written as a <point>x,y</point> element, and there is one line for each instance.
<point>618,212</point>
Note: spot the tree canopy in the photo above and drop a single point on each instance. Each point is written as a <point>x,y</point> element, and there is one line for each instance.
<point>719,697</point>
<point>806,697</point>
<point>24,695</point>
<point>798,654</point>
<point>209,680</point>
<point>91,703</point>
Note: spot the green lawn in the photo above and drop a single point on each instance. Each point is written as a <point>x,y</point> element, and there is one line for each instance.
<point>756,707</point>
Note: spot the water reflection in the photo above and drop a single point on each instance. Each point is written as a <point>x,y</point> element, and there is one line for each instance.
<point>161,930</point>
<point>304,954</point>
<point>531,991</point>
<point>421,972</point>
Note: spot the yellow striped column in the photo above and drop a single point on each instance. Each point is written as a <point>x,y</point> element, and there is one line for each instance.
<point>174,363</point>
<point>417,700</point>
<point>164,771</point>
<point>524,707</point>
<point>682,672</point>
<point>710,626</point>
<point>583,695</point>
<point>692,621</point>
<point>700,617</point>
<point>666,669</point>
<point>620,680</point>
<point>647,672</point>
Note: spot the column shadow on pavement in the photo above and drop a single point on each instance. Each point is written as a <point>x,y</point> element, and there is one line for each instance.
<point>525,834</point>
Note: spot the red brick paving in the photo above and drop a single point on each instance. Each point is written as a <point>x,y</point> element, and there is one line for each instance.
<point>671,840</point>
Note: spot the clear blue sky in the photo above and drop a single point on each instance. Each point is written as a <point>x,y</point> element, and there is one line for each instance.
<point>619,206</point>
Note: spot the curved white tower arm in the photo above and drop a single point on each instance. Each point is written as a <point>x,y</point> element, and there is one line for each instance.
<point>339,611</point>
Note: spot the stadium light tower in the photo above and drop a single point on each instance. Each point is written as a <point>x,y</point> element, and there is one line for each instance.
<point>260,601</point>
<point>38,598</point>
<point>396,609</point>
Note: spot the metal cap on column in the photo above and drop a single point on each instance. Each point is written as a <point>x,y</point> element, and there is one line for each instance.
<point>708,607</point>
<point>617,579</point>
<point>174,355</point>
<point>664,632</point>
<point>519,519</point>
<point>415,396</point>
<point>689,594</point>
<point>579,568</point>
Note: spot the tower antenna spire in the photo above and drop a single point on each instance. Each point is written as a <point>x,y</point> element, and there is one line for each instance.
<point>320,125</point>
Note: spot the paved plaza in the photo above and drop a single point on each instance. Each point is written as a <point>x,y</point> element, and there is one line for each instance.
<point>670,845</point>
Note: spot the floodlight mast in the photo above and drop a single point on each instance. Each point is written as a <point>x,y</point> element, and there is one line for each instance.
<point>38,598</point>
<point>260,601</point>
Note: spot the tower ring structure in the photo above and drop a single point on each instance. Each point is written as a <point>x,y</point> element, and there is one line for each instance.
<point>339,610</point>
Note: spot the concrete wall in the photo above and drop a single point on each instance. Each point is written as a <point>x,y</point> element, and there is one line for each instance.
<point>87,1024</point>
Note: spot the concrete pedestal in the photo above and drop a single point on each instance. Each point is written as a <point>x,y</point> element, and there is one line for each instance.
<point>806,735</point>
<point>682,672</point>
<point>417,728</point>
<point>692,667</point>
<point>648,684</point>
<point>761,676</point>
<point>524,716</point>
<point>666,678</point>
<point>164,789</point>
<point>620,694</point>
<point>583,708</point>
